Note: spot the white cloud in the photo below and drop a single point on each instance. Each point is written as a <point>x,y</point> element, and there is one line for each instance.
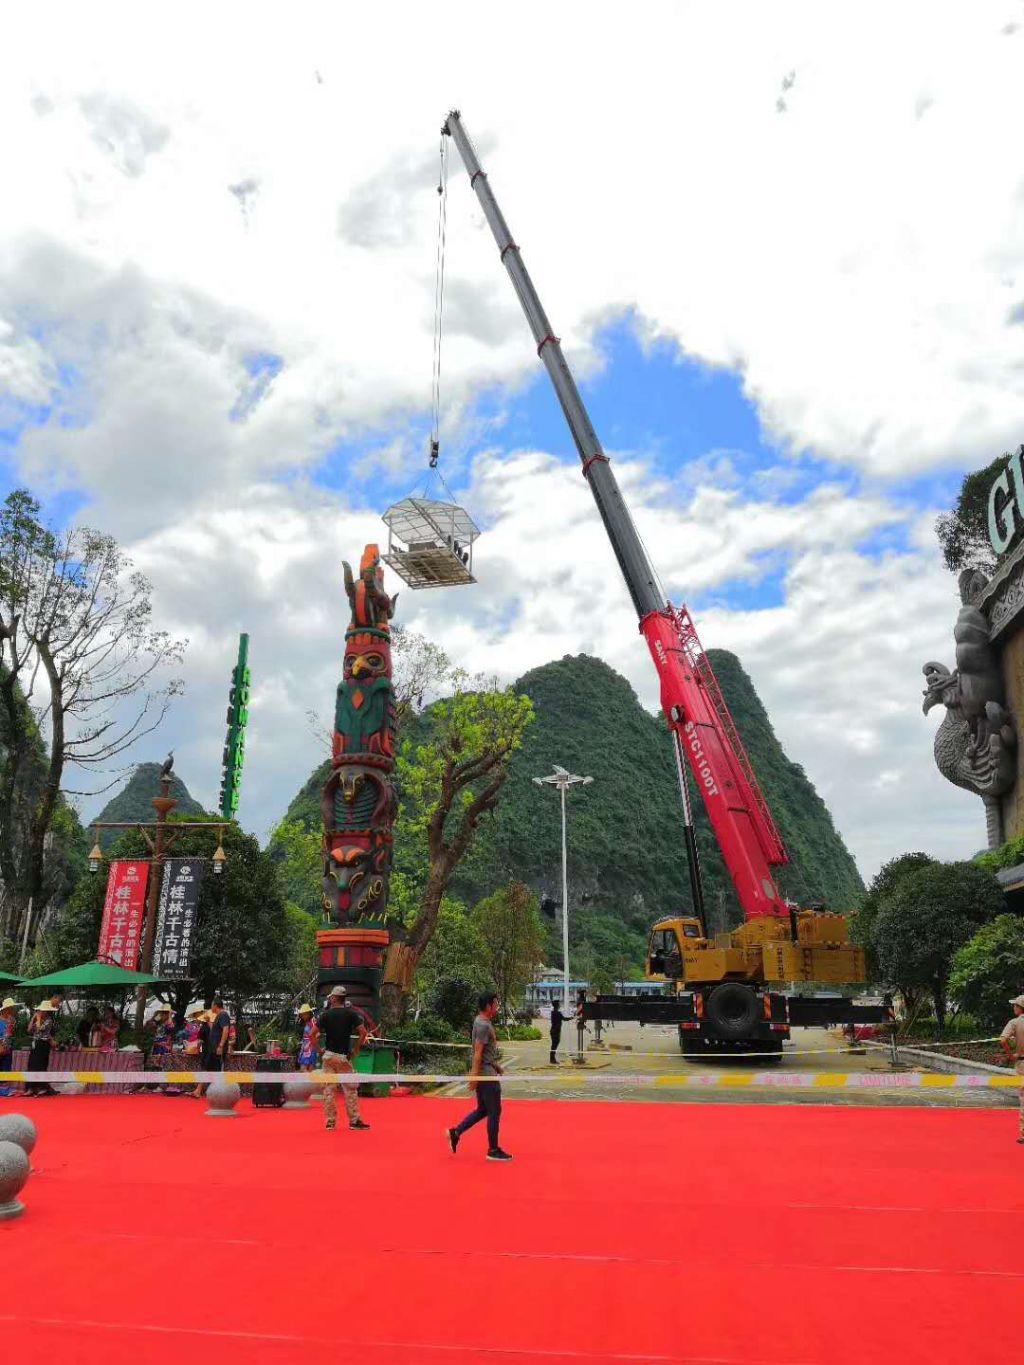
<point>174,207</point>
<point>859,255</point>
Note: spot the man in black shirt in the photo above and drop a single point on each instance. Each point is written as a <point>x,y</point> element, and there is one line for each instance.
<point>220,1034</point>
<point>337,1024</point>
<point>557,1020</point>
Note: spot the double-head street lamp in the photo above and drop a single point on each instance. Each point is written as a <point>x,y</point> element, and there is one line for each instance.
<point>163,836</point>
<point>563,781</point>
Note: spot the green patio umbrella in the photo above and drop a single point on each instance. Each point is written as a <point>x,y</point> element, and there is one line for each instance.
<point>9,979</point>
<point>93,974</point>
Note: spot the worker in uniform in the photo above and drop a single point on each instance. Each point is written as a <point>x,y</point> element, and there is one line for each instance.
<point>1012,1041</point>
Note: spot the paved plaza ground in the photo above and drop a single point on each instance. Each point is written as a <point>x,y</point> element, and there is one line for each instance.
<point>761,1235</point>
<point>654,1052</point>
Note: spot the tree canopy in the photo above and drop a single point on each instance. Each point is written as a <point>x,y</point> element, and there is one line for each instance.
<point>928,916</point>
<point>449,777</point>
<point>80,681</point>
<point>246,943</point>
<point>988,971</point>
<point>882,886</point>
<point>511,938</point>
<point>963,532</point>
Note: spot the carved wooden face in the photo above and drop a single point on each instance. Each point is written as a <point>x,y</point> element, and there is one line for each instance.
<point>350,866</point>
<point>366,658</point>
<point>358,874</point>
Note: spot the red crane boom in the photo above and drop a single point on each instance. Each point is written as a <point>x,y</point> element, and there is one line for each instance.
<point>690,695</point>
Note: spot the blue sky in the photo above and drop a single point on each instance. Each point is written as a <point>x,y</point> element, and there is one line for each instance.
<point>688,420</point>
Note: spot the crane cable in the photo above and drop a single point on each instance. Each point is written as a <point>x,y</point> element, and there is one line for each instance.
<point>442,232</point>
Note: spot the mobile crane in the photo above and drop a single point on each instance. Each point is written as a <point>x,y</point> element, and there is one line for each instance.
<point>725,994</point>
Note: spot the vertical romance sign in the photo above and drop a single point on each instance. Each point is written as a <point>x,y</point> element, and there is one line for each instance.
<point>176,917</point>
<point>124,913</point>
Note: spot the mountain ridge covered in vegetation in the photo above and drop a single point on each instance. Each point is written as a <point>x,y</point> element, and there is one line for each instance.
<point>627,860</point>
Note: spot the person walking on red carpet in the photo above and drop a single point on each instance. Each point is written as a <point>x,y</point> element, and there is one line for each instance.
<point>1012,1041</point>
<point>488,1092</point>
<point>337,1024</point>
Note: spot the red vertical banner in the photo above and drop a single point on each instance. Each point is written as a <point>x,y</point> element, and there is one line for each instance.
<point>124,913</point>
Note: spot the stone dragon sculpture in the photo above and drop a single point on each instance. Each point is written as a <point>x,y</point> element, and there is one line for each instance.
<point>975,746</point>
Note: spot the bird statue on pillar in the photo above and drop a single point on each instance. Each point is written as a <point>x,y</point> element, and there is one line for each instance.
<point>165,771</point>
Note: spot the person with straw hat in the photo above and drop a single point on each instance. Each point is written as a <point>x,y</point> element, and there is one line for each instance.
<point>43,1029</point>
<point>163,1034</point>
<point>309,1056</point>
<point>1012,1041</point>
<point>8,1021</point>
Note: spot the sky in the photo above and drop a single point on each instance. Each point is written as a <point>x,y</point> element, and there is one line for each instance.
<point>783,247</point>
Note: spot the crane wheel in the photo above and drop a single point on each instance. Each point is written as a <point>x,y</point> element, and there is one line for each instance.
<point>689,1046</point>
<point>733,1010</point>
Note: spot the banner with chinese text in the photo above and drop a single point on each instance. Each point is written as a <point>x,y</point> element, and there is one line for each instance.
<point>124,913</point>
<point>176,917</point>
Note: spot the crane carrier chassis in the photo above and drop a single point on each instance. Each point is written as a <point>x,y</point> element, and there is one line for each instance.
<point>740,1020</point>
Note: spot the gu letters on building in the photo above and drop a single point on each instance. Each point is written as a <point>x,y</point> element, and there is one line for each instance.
<point>1006,510</point>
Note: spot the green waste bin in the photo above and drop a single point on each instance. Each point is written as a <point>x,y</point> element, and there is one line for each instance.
<point>378,1057</point>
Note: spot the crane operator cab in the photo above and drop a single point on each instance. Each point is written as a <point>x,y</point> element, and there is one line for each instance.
<point>667,944</point>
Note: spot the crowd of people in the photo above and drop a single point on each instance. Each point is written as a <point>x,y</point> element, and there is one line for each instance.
<point>204,1034</point>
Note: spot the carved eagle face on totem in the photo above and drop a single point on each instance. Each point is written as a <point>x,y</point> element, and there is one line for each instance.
<point>365,662</point>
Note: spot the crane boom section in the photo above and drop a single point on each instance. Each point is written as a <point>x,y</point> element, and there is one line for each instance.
<point>690,695</point>
<point>625,540</point>
<point>741,822</point>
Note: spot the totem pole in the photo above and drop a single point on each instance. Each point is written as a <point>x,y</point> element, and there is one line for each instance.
<point>359,799</point>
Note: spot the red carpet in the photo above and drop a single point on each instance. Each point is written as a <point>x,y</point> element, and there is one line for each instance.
<point>767,1235</point>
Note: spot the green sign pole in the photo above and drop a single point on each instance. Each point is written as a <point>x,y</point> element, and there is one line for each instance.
<point>238,719</point>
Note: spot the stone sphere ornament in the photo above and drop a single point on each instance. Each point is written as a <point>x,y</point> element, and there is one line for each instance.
<point>14,1172</point>
<point>297,1094</point>
<point>222,1096</point>
<point>20,1129</point>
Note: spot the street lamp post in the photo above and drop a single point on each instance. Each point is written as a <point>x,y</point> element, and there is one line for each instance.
<point>563,780</point>
<point>159,844</point>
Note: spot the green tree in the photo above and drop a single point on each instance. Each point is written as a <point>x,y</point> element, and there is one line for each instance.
<point>453,999</point>
<point>302,954</point>
<point>245,943</point>
<point>79,663</point>
<point>929,915</point>
<point>1006,855</point>
<point>963,532</point>
<point>297,853</point>
<point>988,971</point>
<point>455,950</point>
<point>448,782</point>
<point>510,931</point>
<point>602,979</point>
<point>885,882</point>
